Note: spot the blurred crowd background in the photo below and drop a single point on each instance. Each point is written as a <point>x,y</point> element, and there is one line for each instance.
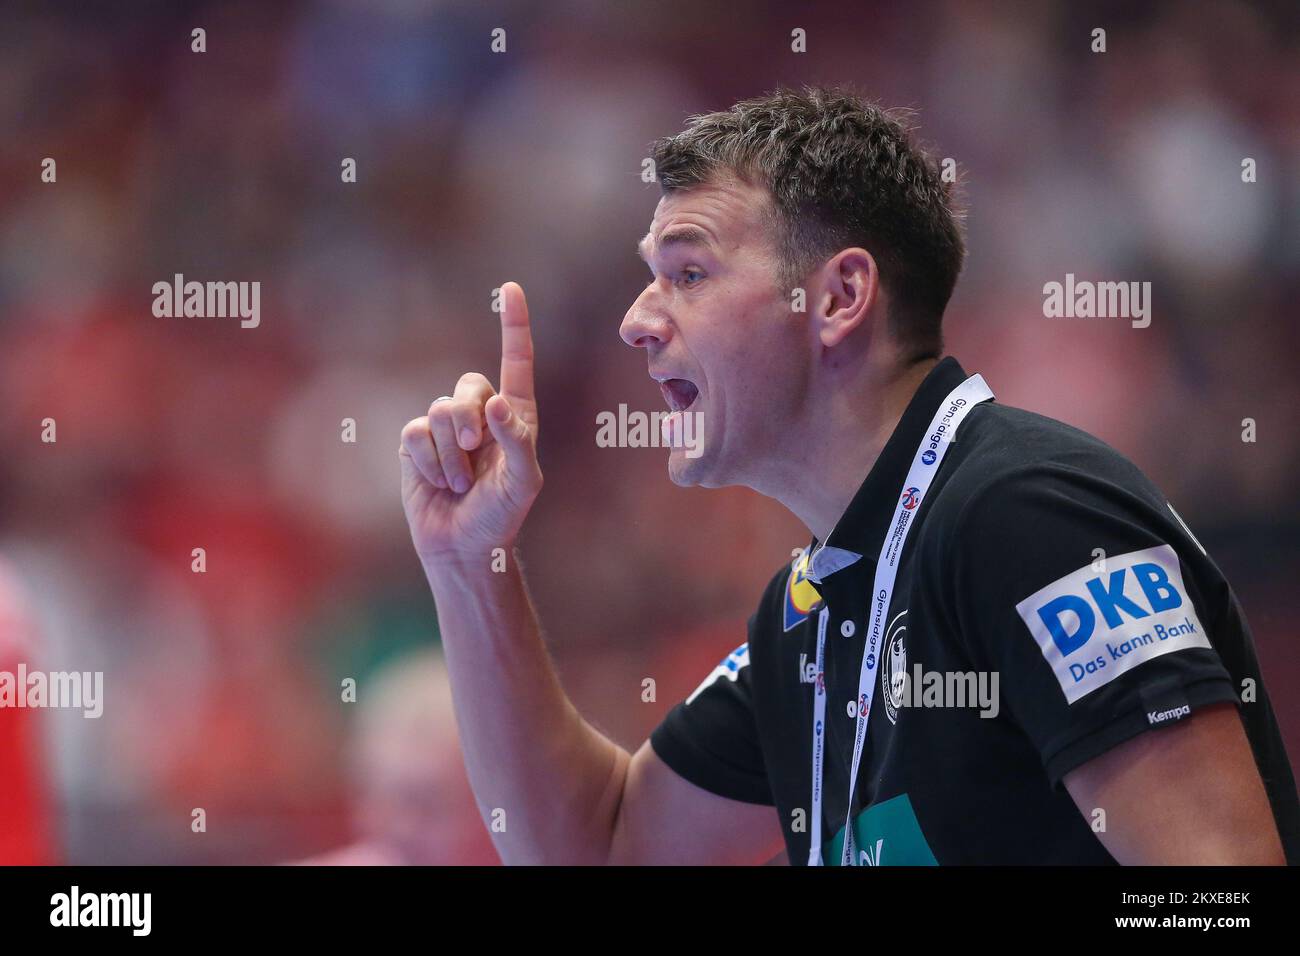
<point>223,689</point>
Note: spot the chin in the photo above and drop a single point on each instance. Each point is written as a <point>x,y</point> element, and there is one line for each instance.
<point>685,472</point>
<point>693,472</point>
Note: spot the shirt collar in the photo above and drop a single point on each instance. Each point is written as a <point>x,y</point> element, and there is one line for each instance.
<point>866,520</point>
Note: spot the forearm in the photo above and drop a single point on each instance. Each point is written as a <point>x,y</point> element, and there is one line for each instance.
<point>547,783</point>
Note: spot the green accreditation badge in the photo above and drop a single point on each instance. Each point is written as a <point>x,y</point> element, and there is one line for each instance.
<point>884,834</point>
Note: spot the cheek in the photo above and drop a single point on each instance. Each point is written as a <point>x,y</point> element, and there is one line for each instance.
<point>765,360</point>
<point>752,360</point>
<point>755,387</point>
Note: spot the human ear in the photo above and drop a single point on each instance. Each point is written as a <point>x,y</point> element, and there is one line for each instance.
<point>851,285</point>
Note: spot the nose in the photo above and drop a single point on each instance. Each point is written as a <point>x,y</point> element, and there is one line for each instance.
<point>644,325</point>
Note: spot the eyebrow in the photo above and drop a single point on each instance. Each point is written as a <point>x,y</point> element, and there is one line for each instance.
<point>681,236</point>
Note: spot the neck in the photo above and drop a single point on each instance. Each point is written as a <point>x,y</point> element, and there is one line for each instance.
<point>844,436</point>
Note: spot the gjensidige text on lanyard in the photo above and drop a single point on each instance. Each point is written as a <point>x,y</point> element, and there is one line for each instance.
<point>925,463</point>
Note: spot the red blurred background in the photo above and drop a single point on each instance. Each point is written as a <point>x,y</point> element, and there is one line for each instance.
<point>223,688</point>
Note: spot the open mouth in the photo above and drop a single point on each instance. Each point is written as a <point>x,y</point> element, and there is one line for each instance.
<point>679,393</point>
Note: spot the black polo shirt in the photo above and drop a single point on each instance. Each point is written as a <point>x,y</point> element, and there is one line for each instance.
<point>1049,605</point>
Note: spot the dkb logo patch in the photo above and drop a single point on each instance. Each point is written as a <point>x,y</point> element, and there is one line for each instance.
<point>1093,627</point>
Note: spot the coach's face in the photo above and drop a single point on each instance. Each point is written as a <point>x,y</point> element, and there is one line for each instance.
<point>720,336</point>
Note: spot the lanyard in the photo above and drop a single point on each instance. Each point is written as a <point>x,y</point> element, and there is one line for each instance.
<point>925,463</point>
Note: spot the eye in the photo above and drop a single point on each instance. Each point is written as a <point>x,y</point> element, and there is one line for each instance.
<point>691,276</point>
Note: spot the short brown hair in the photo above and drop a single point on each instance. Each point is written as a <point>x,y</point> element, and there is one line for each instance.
<point>842,172</point>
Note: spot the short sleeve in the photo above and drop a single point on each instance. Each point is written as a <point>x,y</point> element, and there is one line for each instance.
<point>711,738</point>
<point>1070,587</point>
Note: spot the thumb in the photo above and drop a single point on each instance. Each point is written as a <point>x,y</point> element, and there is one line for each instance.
<point>511,433</point>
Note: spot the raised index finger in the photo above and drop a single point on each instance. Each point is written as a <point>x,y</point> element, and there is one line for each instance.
<point>516,349</point>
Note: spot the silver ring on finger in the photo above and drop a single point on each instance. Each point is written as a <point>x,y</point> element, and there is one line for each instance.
<point>443,398</point>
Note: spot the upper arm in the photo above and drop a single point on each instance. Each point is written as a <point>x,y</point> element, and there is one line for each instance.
<point>1095,615</point>
<point>1088,614</point>
<point>665,819</point>
<point>697,791</point>
<point>1185,794</point>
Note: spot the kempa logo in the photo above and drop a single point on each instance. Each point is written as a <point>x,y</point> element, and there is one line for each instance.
<point>1098,300</point>
<point>75,908</point>
<point>58,690</point>
<point>209,300</point>
<point>807,670</point>
<point>657,429</point>
<point>1161,716</point>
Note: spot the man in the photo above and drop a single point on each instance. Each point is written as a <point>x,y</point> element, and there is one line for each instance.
<point>413,805</point>
<point>1098,697</point>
